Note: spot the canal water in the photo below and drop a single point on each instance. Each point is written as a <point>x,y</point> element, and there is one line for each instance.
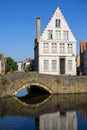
<point>27,111</point>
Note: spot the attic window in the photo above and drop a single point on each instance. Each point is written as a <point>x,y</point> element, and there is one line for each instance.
<point>66,35</point>
<point>50,34</point>
<point>57,23</point>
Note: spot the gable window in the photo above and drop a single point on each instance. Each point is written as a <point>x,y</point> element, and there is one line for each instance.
<point>62,47</point>
<point>70,48</point>
<point>58,34</point>
<point>57,23</point>
<point>69,65</point>
<point>50,34</point>
<point>46,65</point>
<point>65,35</point>
<point>45,47</point>
<point>53,47</point>
<point>54,65</point>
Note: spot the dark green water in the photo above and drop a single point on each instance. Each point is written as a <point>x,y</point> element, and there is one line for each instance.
<point>43,112</point>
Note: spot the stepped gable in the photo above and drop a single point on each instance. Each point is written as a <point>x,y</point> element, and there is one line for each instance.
<point>51,26</point>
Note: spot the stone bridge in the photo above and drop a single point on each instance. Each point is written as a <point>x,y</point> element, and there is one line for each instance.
<point>12,83</point>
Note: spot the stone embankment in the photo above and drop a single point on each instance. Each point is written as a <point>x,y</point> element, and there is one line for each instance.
<point>12,83</point>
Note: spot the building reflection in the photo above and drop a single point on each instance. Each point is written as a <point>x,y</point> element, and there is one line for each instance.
<point>58,121</point>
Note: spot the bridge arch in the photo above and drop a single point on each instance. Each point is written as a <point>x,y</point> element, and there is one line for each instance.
<point>29,85</point>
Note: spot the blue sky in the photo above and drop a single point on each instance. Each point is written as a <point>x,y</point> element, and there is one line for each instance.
<point>18,23</point>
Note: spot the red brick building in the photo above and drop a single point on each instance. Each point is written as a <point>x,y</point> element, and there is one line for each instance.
<point>83,57</point>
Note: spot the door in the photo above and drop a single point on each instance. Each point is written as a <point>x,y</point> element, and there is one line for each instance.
<point>62,66</point>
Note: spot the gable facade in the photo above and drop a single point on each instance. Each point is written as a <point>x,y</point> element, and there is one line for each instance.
<point>55,50</point>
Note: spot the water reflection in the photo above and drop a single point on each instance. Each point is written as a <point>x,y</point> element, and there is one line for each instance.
<point>33,99</point>
<point>56,121</point>
<point>53,112</point>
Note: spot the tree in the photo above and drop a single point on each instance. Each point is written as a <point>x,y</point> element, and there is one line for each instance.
<point>11,65</point>
<point>28,68</point>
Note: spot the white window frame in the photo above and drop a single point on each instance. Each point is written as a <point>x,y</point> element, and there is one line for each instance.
<point>62,48</point>
<point>70,47</point>
<point>65,35</point>
<point>45,47</point>
<point>70,65</point>
<point>53,47</point>
<point>57,23</point>
<point>54,65</point>
<point>58,35</point>
<point>50,34</point>
<point>46,65</point>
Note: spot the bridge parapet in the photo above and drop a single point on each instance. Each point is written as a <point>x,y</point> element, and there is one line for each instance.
<point>13,82</point>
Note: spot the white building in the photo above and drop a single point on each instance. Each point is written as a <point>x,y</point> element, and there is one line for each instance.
<point>2,64</point>
<point>55,49</point>
<point>20,66</point>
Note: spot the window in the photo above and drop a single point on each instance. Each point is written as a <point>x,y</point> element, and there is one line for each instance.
<point>69,65</point>
<point>62,48</point>
<point>53,47</point>
<point>57,23</point>
<point>46,65</point>
<point>50,34</point>
<point>54,65</point>
<point>45,47</point>
<point>65,35</point>
<point>58,34</point>
<point>69,48</point>
<point>85,59</point>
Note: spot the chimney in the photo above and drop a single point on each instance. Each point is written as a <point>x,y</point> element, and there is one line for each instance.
<point>38,28</point>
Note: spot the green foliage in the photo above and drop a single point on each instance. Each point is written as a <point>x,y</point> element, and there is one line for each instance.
<point>11,65</point>
<point>28,68</point>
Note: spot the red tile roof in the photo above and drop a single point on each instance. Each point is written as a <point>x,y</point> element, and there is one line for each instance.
<point>83,46</point>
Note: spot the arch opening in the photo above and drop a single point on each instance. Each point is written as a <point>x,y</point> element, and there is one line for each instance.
<point>34,87</point>
<point>33,95</point>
